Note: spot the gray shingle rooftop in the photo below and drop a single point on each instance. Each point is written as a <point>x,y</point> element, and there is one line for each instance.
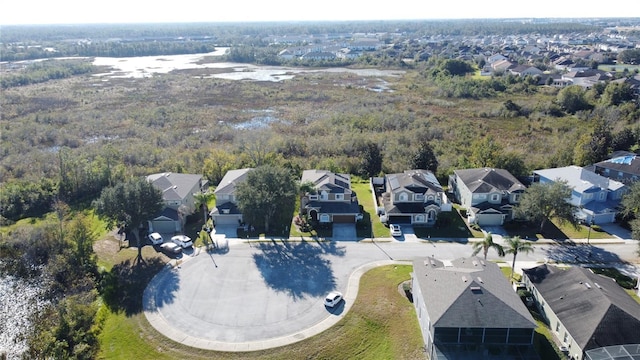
<point>594,309</point>
<point>174,186</point>
<point>469,292</point>
<point>488,180</point>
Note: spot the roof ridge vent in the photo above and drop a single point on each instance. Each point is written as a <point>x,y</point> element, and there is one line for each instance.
<point>480,279</point>
<point>464,278</point>
<point>587,285</point>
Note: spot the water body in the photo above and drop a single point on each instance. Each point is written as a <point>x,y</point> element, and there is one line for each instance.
<point>148,66</point>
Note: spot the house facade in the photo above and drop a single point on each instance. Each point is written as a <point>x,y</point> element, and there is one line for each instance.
<point>226,211</point>
<point>332,200</point>
<point>412,197</point>
<point>488,194</point>
<point>178,195</point>
<point>467,306</point>
<point>584,310</point>
<point>595,197</point>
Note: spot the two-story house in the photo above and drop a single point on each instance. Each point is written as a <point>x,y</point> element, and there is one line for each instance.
<point>226,211</point>
<point>178,195</point>
<point>467,309</point>
<point>412,197</point>
<point>332,200</point>
<point>623,167</point>
<point>487,194</point>
<point>585,311</point>
<point>595,197</point>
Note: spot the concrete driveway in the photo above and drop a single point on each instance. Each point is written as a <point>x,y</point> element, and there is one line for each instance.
<point>344,231</point>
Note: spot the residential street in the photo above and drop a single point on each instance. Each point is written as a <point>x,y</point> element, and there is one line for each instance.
<point>256,295</point>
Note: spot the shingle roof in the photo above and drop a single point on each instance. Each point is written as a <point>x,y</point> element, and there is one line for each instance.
<point>469,292</point>
<point>416,181</point>
<point>228,183</point>
<point>579,178</point>
<point>629,164</point>
<point>596,315</point>
<point>488,180</point>
<point>174,186</point>
<point>328,181</point>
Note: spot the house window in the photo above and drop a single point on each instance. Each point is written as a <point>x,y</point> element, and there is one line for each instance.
<point>606,171</point>
<point>603,195</point>
<point>430,198</point>
<point>313,197</point>
<point>566,337</point>
<point>495,197</point>
<point>557,327</point>
<point>324,196</point>
<point>324,218</point>
<point>420,218</point>
<point>403,197</point>
<point>516,197</point>
<point>431,215</point>
<point>339,196</point>
<point>419,196</point>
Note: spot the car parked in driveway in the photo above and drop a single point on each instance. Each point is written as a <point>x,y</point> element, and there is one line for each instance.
<point>170,248</point>
<point>332,299</point>
<point>395,230</point>
<point>183,240</point>
<point>155,238</point>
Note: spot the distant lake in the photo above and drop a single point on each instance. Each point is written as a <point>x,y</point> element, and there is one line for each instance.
<point>148,66</point>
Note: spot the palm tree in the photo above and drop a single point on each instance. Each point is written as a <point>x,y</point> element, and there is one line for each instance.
<point>202,200</point>
<point>516,245</point>
<point>485,245</point>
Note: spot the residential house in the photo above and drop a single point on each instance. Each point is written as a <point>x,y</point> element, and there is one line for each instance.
<point>178,195</point>
<point>587,78</point>
<point>226,211</point>
<point>332,200</point>
<point>585,311</point>
<point>412,197</point>
<point>595,197</point>
<point>623,167</point>
<point>524,70</point>
<point>467,309</point>
<point>488,194</point>
<point>501,65</point>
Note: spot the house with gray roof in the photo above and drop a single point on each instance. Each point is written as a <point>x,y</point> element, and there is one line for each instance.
<point>584,310</point>
<point>226,211</point>
<point>412,197</point>
<point>467,309</point>
<point>488,194</point>
<point>623,167</point>
<point>595,197</point>
<point>178,195</point>
<point>332,200</point>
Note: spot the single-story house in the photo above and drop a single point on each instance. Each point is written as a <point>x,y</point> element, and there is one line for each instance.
<point>467,309</point>
<point>584,310</point>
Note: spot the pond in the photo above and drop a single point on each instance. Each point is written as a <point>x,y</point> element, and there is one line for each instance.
<point>148,66</point>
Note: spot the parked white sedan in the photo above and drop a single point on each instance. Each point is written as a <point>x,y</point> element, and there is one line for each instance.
<point>183,240</point>
<point>171,248</point>
<point>333,299</point>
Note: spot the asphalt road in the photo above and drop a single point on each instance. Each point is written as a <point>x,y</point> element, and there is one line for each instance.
<point>264,294</point>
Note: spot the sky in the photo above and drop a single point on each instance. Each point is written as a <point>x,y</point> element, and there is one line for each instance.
<point>161,11</point>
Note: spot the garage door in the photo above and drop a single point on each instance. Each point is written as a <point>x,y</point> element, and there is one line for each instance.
<point>489,219</point>
<point>227,220</point>
<point>399,220</point>
<point>164,227</point>
<point>344,218</point>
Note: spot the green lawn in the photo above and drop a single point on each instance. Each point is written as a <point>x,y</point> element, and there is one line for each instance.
<point>554,230</point>
<point>365,198</point>
<point>450,225</point>
<point>382,324</point>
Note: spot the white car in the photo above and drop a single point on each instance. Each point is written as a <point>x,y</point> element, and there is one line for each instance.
<point>332,299</point>
<point>170,248</point>
<point>183,240</point>
<point>155,238</point>
<point>395,230</point>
